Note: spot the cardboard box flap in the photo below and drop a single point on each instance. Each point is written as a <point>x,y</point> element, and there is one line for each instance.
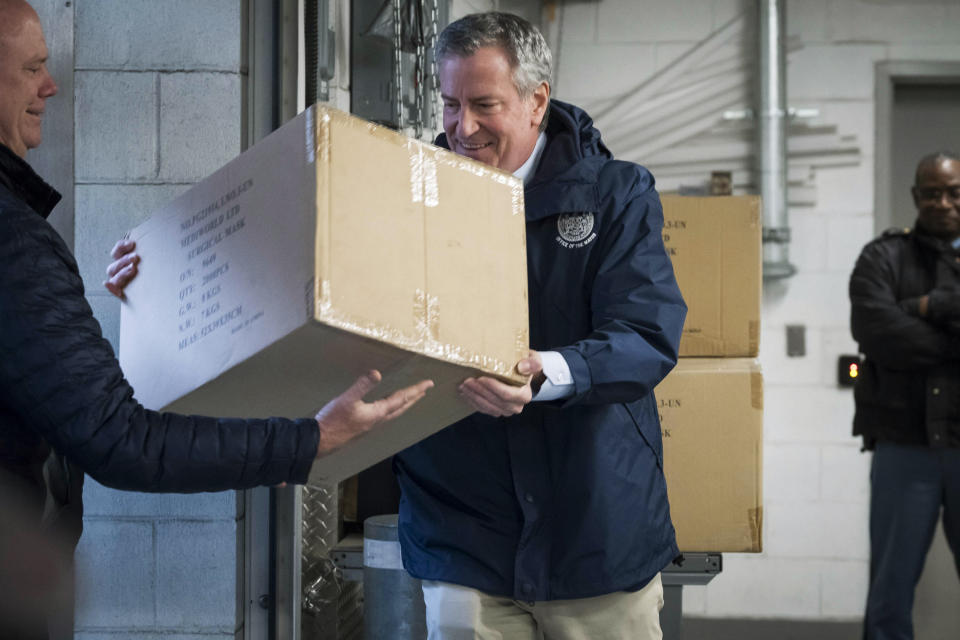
<point>405,238</point>
<point>372,235</point>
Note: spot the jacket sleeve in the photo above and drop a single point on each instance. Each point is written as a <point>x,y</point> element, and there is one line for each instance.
<point>884,327</point>
<point>60,377</point>
<point>637,311</point>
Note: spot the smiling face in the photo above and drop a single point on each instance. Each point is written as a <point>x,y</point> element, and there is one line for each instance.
<point>937,196</point>
<point>484,116</point>
<point>25,83</point>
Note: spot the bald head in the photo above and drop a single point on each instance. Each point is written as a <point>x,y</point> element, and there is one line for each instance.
<point>14,14</point>
<point>932,162</point>
<point>25,82</point>
<point>936,194</point>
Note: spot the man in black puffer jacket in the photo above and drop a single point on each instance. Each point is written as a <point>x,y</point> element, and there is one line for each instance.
<point>65,407</point>
<point>905,297</point>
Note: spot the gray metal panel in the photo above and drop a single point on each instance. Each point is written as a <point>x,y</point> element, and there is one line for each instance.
<point>379,79</point>
<point>262,104</point>
<point>288,506</point>
<point>371,64</point>
<point>256,564</point>
<point>883,158</point>
<point>322,580</point>
<point>320,49</point>
<point>261,76</point>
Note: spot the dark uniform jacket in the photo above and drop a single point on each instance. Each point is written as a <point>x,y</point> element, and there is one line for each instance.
<point>61,388</point>
<point>909,388</point>
<point>567,499</point>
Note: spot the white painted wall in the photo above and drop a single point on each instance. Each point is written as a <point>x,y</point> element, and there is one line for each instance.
<point>814,564</point>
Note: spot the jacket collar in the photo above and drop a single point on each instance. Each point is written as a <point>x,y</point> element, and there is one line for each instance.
<point>566,180</point>
<point>529,168</point>
<point>17,176</point>
<point>930,242</point>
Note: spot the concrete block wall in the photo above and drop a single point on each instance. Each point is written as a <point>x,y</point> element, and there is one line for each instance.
<point>816,484</point>
<point>158,103</point>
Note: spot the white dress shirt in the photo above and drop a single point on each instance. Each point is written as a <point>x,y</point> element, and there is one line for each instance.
<point>559,382</point>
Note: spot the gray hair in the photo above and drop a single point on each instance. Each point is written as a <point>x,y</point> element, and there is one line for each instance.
<point>524,45</point>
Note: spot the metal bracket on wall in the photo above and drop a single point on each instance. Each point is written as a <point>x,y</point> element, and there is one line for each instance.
<point>320,42</point>
<point>796,340</point>
<point>688,569</point>
<point>393,72</point>
<point>693,568</point>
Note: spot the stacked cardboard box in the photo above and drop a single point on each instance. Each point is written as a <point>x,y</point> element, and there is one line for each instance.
<point>711,405</point>
<point>714,244</point>
<point>331,247</point>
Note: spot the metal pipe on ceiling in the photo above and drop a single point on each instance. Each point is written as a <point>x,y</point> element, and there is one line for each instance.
<point>773,140</point>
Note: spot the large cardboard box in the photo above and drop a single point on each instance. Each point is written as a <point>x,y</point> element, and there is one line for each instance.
<point>711,413</point>
<point>331,247</point>
<point>715,245</point>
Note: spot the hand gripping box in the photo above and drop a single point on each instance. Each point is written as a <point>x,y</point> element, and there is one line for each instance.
<point>715,246</point>
<point>331,247</point>
<point>711,415</point>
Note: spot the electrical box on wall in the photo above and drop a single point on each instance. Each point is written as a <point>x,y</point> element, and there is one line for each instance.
<point>392,71</point>
<point>796,340</point>
<point>848,370</point>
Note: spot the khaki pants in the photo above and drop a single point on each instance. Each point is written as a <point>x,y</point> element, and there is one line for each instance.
<point>461,613</point>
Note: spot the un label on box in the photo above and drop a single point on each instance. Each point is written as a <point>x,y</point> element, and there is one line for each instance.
<point>715,246</point>
<point>711,415</point>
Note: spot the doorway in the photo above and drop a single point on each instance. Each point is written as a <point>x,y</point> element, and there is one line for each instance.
<point>926,118</point>
<point>916,108</point>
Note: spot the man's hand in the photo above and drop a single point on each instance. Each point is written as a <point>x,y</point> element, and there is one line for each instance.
<point>498,399</point>
<point>123,269</point>
<point>348,416</point>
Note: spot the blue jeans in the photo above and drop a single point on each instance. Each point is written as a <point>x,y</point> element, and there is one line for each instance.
<point>909,484</point>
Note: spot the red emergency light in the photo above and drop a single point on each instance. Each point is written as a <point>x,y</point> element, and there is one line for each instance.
<point>848,370</point>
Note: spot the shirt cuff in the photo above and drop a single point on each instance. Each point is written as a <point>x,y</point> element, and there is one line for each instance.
<point>559,382</point>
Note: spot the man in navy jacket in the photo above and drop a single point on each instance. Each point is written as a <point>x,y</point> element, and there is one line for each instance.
<point>551,517</point>
<point>545,514</point>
